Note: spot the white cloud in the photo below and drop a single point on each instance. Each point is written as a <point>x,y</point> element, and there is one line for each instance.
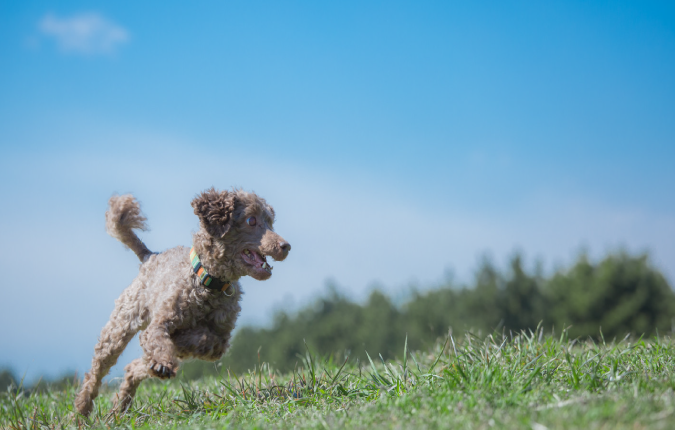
<point>87,33</point>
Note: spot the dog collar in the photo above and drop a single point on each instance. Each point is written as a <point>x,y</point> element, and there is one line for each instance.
<point>205,279</point>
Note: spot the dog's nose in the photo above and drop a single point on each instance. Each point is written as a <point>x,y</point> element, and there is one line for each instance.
<point>285,246</point>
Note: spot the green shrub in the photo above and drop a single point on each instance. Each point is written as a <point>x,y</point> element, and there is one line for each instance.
<point>621,294</point>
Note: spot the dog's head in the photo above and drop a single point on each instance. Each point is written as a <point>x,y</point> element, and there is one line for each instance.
<point>236,234</point>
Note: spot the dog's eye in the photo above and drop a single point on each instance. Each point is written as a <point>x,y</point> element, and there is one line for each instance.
<point>250,221</point>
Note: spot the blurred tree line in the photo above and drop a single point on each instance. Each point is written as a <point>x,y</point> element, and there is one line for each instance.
<point>9,379</point>
<point>619,295</point>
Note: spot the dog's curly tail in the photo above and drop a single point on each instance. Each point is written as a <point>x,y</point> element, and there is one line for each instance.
<point>123,216</point>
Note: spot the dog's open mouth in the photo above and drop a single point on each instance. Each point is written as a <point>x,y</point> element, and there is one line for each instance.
<point>256,260</point>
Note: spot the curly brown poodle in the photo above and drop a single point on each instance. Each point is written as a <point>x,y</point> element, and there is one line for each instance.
<point>186,302</point>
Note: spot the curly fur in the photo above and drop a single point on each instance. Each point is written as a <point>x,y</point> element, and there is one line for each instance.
<point>122,218</point>
<point>178,317</point>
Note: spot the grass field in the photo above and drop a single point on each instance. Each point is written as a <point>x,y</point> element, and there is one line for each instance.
<point>528,381</point>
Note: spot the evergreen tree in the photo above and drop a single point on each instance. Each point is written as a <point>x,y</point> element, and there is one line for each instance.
<point>620,295</point>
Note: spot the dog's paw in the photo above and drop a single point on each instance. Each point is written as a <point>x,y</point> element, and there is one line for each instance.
<point>162,371</point>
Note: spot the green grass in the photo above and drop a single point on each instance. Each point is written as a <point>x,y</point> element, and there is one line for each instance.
<point>526,381</point>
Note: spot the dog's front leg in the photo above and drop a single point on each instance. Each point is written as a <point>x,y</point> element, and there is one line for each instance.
<point>159,349</point>
<point>201,342</point>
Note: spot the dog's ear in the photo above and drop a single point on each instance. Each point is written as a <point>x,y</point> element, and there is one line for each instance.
<point>215,211</point>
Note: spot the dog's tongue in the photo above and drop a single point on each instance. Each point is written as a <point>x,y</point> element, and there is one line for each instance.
<point>258,259</point>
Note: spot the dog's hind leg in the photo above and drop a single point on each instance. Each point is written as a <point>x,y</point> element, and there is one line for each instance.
<point>135,373</point>
<point>126,320</point>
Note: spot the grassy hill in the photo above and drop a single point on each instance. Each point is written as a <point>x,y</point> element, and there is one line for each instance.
<point>527,380</point>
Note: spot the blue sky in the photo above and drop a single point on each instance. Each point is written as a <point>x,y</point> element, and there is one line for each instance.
<point>397,141</point>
